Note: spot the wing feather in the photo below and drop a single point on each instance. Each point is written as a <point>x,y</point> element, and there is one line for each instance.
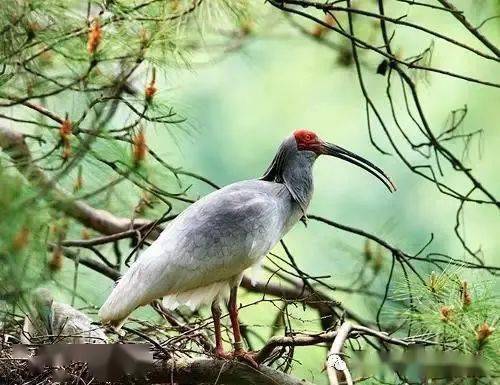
<point>213,240</point>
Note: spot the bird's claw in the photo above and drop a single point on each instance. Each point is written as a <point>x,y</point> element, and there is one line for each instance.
<point>238,354</point>
<point>221,354</point>
<point>246,356</point>
<point>116,330</point>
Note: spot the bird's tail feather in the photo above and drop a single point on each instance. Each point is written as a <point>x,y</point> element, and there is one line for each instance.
<point>196,297</point>
<point>122,301</point>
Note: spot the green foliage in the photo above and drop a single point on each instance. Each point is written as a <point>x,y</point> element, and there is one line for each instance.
<point>459,314</point>
<point>23,229</point>
<point>47,55</point>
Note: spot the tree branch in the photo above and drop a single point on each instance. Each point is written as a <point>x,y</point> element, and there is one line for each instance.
<point>335,351</point>
<point>347,330</point>
<point>211,371</point>
<point>461,18</point>
<point>13,143</point>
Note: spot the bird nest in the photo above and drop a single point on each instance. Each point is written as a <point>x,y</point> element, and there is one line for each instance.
<point>15,371</point>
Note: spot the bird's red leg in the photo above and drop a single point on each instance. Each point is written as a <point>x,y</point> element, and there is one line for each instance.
<point>238,342</point>
<point>216,313</point>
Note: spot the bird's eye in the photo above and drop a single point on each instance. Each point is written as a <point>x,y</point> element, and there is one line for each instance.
<point>307,137</point>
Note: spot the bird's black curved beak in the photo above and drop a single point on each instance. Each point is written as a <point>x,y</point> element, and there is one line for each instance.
<point>342,153</point>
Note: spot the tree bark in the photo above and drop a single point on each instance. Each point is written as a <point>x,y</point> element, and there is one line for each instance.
<point>214,371</point>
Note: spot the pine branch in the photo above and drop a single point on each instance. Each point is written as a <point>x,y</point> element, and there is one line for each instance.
<point>13,143</point>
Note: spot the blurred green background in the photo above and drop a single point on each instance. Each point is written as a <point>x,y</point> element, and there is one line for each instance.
<point>242,105</point>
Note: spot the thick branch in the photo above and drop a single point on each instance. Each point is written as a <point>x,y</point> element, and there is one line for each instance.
<point>335,350</point>
<point>338,337</point>
<point>13,143</point>
<point>210,371</point>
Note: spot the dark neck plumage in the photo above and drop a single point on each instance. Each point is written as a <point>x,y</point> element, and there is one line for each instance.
<point>293,168</point>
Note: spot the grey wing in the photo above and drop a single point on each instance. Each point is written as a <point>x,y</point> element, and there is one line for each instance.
<point>213,240</point>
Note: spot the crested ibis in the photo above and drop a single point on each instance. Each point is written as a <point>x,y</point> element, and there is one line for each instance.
<point>51,321</point>
<point>202,253</point>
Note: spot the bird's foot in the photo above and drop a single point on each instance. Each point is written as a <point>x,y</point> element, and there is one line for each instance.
<point>115,330</point>
<point>220,353</point>
<point>246,356</point>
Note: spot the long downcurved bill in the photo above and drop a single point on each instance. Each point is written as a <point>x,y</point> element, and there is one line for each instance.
<point>342,153</point>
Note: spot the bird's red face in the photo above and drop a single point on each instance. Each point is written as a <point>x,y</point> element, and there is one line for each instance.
<point>307,141</point>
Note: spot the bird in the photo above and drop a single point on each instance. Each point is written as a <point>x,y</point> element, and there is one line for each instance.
<point>201,255</point>
<point>49,321</point>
